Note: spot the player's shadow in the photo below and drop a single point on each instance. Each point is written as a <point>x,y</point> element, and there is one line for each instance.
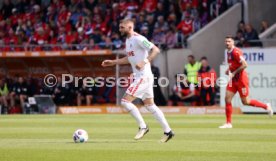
<point>110,141</point>
<point>104,142</point>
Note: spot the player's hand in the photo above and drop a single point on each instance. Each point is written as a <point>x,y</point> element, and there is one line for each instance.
<point>231,75</point>
<point>140,65</point>
<point>107,63</point>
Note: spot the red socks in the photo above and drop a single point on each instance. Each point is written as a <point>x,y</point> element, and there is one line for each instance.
<point>228,112</point>
<point>256,103</point>
<point>228,109</point>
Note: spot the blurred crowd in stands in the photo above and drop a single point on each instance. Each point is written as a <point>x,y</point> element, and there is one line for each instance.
<point>93,24</point>
<point>248,36</point>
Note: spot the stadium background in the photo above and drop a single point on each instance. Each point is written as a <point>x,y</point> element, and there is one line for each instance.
<point>59,37</point>
<point>26,52</point>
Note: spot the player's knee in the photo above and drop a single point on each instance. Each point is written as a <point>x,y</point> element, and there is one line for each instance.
<point>126,105</point>
<point>151,108</point>
<point>227,100</point>
<point>245,102</point>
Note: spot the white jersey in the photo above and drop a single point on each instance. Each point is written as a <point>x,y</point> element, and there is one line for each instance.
<point>137,49</point>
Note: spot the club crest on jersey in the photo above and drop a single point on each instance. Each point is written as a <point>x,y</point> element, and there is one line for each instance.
<point>130,53</point>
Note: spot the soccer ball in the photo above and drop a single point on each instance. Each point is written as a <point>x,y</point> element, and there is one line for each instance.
<point>80,136</point>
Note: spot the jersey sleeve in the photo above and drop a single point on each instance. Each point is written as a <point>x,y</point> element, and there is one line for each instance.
<point>144,43</point>
<point>238,55</point>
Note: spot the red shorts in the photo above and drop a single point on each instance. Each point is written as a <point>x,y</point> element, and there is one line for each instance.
<point>240,85</point>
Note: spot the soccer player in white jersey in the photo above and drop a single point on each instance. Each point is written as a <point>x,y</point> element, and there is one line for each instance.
<point>140,52</point>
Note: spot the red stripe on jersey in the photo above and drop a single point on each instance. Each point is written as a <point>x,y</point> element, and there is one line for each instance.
<point>124,100</point>
<point>136,87</point>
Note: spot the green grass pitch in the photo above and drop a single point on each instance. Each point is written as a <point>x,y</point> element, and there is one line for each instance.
<point>49,138</point>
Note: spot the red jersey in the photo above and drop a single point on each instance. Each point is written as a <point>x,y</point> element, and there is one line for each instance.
<point>234,58</point>
<point>240,81</point>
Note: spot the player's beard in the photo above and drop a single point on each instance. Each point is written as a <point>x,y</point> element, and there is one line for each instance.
<point>123,33</point>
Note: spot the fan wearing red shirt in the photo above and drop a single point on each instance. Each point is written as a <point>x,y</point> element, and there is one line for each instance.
<point>149,5</point>
<point>238,82</point>
<point>186,26</point>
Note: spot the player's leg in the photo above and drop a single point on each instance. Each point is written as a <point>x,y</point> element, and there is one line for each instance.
<point>159,116</point>
<point>255,103</point>
<point>228,107</point>
<point>244,94</point>
<point>126,102</point>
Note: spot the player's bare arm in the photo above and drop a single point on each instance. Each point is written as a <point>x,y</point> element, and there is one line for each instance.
<point>121,61</point>
<point>242,67</point>
<point>153,53</point>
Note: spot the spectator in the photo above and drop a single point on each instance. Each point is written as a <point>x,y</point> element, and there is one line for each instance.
<point>40,38</point>
<point>159,98</point>
<point>186,27</point>
<point>4,96</point>
<point>207,77</point>
<point>10,40</point>
<point>150,24</point>
<point>7,8</point>
<point>241,27</point>
<point>191,70</point>
<point>175,98</point>
<point>183,92</point>
<point>171,38</point>
<point>85,92</point>
<point>60,93</point>
<point>239,39</point>
<point>19,92</point>
<point>46,90</point>
<point>149,5</point>
<point>264,26</point>
<point>117,42</point>
<point>91,4</point>
<point>160,11</point>
<point>251,36</point>
<point>145,32</point>
<point>161,23</point>
<point>158,37</point>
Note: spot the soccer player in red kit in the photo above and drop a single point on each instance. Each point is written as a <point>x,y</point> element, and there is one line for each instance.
<point>238,82</point>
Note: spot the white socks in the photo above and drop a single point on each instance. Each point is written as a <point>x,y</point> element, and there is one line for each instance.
<point>159,116</point>
<point>156,112</point>
<point>133,110</point>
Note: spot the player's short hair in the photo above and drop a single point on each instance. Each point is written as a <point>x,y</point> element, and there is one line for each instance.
<point>127,21</point>
<point>229,37</point>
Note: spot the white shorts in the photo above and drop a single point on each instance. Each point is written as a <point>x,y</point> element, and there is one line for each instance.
<point>141,87</point>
